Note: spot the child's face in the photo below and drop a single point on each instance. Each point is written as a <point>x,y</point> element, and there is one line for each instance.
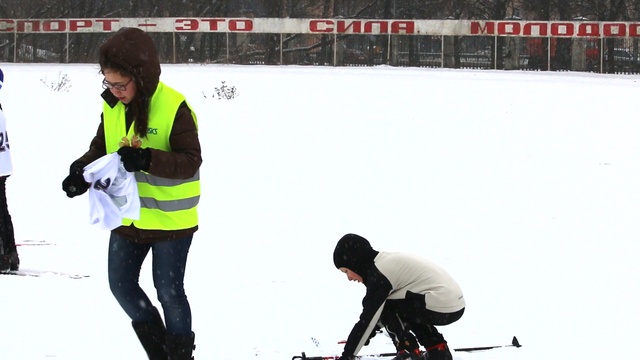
<point>351,275</point>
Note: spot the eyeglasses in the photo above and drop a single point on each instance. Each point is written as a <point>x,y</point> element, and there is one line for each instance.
<point>110,85</point>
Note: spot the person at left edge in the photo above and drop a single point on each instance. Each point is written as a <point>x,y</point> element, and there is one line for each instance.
<point>142,111</point>
<point>9,259</point>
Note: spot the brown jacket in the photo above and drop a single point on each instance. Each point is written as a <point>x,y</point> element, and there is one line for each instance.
<point>182,162</point>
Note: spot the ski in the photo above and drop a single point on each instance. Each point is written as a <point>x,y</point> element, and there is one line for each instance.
<point>34,243</point>
<point>43,273</point>
<point>514,343</point>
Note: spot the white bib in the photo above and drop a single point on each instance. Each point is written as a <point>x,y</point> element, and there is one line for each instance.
<point>113,194</point>
<point>6,166</point>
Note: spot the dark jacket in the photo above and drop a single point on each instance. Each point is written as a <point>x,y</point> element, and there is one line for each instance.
<point>133,52</point>
<point>356,254</point>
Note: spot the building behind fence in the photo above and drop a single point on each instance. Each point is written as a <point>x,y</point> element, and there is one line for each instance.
<point>603,47</point>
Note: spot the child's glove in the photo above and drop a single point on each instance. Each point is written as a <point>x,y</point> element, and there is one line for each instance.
<point>375,332</point>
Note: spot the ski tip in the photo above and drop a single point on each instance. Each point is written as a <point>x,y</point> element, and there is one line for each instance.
<point>515,342</point>
<point>41,273</point>
<point>304,356</point>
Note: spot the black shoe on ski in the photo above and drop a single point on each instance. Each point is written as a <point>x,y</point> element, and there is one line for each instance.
<point>408,355</point>
<point>439,352</point>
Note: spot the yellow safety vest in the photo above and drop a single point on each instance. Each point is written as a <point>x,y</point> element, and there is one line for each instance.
<point>165,204</point>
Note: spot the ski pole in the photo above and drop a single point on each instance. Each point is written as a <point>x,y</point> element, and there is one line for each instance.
<point>514,343</point>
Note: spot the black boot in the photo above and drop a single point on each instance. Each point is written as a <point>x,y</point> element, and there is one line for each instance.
<point>439,352</point>
<point>180,347</point>
<point>409,355</point>
<point>405,343</point>
<point>434,343</point>
<point>14,261</point>
<point>10,261</point>
<point>401,336</point>
<point>5,262</point>
<point>152,337</point>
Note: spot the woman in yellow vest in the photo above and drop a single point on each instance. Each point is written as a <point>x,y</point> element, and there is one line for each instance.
<point>155,132</point>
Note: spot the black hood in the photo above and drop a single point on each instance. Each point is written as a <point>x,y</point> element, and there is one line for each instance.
<point>354,253</point>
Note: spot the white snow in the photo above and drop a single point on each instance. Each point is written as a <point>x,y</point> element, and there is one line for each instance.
<point>525,186</point>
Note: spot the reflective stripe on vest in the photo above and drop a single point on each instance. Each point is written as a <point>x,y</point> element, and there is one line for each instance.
<point>148,183</point>
<point>166,204</point>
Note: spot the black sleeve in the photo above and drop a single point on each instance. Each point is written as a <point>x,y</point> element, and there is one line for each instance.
<point>378,289</point>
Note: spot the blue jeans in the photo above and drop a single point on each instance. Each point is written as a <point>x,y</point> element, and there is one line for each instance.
<point>169,262</point>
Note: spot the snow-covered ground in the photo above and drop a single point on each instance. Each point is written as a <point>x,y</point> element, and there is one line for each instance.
<point>525,186</point>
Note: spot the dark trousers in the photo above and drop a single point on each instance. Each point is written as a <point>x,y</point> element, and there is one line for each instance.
<point>408,319</point>
<point>169,259</point>
<point>7,239</point>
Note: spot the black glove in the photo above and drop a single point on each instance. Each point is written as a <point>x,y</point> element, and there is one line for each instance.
<point>135,159</point>
<point>74,184</point>
<point>375,332</point>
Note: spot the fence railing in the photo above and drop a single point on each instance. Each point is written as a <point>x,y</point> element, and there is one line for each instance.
<point>610,47</point>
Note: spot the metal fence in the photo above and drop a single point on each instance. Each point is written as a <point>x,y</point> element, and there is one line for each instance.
<point>32,43</point>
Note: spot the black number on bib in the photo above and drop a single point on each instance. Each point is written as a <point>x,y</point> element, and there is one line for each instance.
<point>102,184</point>
<point>4,141</point>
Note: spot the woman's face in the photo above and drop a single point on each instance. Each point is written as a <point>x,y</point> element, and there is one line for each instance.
<point>122,87</point>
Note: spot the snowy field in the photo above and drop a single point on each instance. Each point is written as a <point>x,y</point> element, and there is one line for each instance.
<point>525,186</point>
